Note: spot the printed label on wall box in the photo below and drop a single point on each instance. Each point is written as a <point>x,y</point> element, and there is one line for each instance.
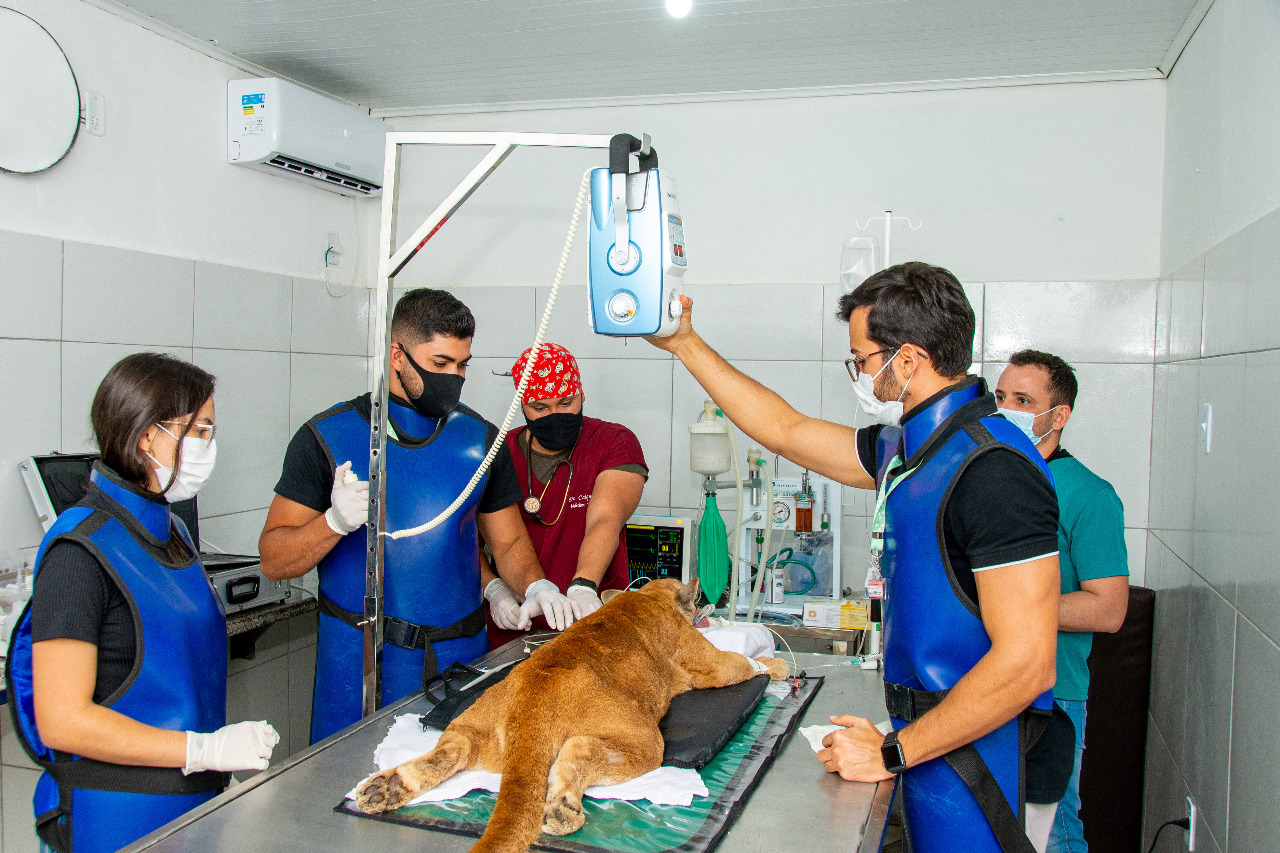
<point>253,107</point>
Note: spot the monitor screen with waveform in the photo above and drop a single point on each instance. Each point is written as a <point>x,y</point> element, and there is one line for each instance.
<point>655,551</point>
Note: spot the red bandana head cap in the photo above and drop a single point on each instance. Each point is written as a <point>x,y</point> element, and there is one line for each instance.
<point>555,374</point>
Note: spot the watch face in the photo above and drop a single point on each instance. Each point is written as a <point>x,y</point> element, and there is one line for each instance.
<point>891,755</point>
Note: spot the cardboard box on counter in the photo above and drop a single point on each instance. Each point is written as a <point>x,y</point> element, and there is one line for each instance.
<point>851,614</point>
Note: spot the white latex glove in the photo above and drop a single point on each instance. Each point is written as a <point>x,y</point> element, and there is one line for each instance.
<point>241,746</point>
<point>349,501</point>
<point>584,601</point>
<point>543,599</point>
<point>503,605</point>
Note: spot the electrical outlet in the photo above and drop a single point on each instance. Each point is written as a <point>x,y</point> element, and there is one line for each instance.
<point>1192,814</point>
<point>333,250</point>
<point>96,114</point>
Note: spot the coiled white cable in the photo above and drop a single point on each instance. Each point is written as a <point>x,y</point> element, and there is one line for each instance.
<point>525,376</point>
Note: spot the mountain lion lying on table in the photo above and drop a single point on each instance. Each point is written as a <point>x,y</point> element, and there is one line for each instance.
<point>583,710</point>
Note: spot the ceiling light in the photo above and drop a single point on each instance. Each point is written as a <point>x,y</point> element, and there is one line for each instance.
<point>679,8</point>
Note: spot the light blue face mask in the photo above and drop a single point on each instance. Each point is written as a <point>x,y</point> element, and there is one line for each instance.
<point>1026,422</point>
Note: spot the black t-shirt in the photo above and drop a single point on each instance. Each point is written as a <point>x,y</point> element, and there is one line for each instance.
<point>74,598</point>
<point>307,476</point>
<point>1002,510</point>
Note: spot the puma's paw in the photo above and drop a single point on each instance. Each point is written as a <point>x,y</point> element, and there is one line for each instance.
<point>383,792</point>
<point>562,817</point>
<point>778,669</point>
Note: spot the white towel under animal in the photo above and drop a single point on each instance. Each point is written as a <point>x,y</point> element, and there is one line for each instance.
<point>746,639</point>
<point>406,740</point>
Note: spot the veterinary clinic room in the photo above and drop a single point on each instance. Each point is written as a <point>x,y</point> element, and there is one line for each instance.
<point>639,426</point>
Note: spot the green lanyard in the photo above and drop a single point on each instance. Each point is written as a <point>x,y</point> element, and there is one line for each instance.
<point>882,500</point>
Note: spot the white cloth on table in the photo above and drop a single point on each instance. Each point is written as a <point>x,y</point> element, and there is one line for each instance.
<point>406,740</point>
<point>751,640</point>
<point>815,734</point>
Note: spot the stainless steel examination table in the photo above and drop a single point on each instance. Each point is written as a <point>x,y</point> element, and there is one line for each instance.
<point>290,807</point>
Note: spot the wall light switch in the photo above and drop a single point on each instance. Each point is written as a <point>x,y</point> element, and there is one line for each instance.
<point>1206,427</point>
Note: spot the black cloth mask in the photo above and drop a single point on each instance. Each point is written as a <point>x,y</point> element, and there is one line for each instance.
<point>556,431</point>
<point>440,391</point>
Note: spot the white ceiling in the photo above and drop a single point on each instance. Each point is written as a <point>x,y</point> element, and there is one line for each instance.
<point>406,56</point>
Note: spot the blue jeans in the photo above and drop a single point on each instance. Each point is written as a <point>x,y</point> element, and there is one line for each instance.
<point>1068,832</point>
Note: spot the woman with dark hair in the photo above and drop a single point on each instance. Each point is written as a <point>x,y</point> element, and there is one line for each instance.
<point>117,669</point>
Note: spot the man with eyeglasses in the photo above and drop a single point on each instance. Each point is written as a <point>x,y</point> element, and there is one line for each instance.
<point>1037,391</point>
<point>965,535</point>
<point>582,479</point>
<point>435,613</point>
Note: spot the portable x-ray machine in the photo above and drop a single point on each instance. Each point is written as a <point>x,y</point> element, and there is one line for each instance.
<point>637,244</point>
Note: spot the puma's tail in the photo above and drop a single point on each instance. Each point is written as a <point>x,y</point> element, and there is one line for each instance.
<point>526,762</point>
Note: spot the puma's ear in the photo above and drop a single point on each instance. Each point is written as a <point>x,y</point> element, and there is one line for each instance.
<point>608,594</point>
<point>688,595</point>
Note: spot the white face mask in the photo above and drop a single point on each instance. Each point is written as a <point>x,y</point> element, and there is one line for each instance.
<point>1026,422</point>
<point>890,413</point>
<point>198,457</point>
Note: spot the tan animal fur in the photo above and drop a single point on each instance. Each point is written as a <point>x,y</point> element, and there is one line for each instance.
<point>583,710</point>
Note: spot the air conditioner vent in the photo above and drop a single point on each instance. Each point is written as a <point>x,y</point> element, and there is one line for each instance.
<point>298,167</point>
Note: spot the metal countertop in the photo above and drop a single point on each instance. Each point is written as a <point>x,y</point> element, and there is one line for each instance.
<point>290,806</point>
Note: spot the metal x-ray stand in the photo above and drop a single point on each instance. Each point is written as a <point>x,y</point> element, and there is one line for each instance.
<point>391,260</point>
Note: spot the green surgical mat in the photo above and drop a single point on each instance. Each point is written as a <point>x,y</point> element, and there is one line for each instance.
<point>624,826</point>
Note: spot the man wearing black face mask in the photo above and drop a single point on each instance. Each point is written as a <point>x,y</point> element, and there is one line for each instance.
<point>582,479</point>
<point>435,614</point>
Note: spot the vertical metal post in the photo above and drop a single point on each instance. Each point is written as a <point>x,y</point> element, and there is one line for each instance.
<point>374,562</point>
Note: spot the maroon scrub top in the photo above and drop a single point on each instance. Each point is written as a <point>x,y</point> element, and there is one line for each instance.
<point>601,446</point>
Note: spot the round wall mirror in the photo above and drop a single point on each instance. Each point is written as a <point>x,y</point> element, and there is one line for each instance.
<point>39,98</point>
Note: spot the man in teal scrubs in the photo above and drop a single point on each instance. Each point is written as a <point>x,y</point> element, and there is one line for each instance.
<point>1037,391</point>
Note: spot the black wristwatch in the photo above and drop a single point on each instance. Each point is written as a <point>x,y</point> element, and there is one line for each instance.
<point>589,584</point>
<point>891,754</point>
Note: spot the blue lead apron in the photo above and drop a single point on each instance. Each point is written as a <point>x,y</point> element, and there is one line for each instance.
<point>433,602</point>
<point>971,798</point>
<point>178,681</point>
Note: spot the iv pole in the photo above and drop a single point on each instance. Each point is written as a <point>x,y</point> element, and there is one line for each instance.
<point>391,260</point>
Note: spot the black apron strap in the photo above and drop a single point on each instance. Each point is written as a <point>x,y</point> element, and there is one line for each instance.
<point>908,704</point>
<point>409,635</point>
<point>87,774</point>
<point>54,826</point>
<point>1010,834</point>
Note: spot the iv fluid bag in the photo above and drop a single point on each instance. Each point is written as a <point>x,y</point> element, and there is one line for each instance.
<point>859,258</point>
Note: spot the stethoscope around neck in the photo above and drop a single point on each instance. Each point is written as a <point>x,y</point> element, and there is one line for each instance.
<point>533,505</point>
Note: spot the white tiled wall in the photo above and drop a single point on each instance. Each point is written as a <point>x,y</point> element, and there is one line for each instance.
<point>787,337</point>
<point>1214,536</point>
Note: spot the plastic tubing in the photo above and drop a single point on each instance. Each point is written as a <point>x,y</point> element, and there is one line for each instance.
<point>735,541</point>
<point>768,537</point>
<point>524,377</point>
<point>813,576</point>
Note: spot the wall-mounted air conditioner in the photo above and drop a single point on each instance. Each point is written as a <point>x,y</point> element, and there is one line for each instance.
<point>277,127</point>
